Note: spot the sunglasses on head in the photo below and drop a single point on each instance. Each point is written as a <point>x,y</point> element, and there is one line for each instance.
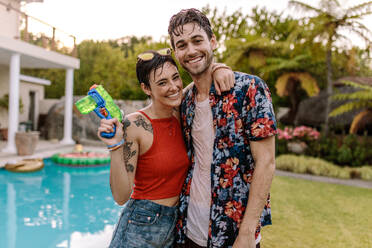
<point>147,56</point>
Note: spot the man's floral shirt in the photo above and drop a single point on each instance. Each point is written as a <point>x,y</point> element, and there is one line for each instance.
<point>243,114</point>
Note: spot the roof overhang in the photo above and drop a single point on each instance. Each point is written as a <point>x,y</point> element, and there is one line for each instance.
<point>35,80</point>
<point>34,57</point>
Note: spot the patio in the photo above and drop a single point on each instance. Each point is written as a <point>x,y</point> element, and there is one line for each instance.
<point>46,148</point>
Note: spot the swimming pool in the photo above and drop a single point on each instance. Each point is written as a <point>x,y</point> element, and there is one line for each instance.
<point>57,207</point>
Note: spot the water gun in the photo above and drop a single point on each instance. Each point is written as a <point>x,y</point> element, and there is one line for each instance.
<point>99,101</point>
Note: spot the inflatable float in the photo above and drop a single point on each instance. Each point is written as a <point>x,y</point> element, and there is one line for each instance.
<point>81,159</point>
<point>26,165</point>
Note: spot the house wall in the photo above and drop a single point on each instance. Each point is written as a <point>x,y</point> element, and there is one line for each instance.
<point>24,94</point>
<point>9,19</point>
<point>4,89</point>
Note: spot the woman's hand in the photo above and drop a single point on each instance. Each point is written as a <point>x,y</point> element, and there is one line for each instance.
<point>223,77</point>
<point>108,127</point>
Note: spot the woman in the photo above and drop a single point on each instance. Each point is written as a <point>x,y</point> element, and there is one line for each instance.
<point>148,156</point>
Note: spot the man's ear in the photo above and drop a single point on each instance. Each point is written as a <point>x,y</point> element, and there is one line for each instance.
<point>213,42</point>
<point>146,89</point>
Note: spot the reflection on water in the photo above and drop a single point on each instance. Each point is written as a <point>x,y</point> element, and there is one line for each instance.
<point>89,240</point>
<point>57,207</point>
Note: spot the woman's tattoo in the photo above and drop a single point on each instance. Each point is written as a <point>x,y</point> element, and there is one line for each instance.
<point>126,124</point>
<point>128,154</point>
<point>140,121</point>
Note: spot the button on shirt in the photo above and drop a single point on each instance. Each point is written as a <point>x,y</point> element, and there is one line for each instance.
<point>243,114</point>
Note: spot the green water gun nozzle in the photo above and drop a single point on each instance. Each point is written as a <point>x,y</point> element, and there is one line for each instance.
<point>99,101</point>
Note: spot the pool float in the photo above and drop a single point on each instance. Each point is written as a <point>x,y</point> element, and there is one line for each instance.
<point>81,159</point>
<point>25,165</point>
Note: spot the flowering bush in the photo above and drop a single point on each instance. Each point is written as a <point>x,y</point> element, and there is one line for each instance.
<point>349,150</point>
<point>300,133</point>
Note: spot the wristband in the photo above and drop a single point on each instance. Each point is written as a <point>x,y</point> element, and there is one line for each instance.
<point>117,145</point>
<point>115,148</point>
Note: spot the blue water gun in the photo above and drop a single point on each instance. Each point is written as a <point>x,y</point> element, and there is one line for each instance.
<point>99,101</point>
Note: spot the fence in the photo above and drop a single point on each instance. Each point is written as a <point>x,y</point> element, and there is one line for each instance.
<point>38,32</point>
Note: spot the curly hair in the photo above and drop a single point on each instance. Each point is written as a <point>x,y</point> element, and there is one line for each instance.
<point>186,16</point>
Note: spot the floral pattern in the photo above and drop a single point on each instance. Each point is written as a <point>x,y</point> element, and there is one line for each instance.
<point>243,114</point>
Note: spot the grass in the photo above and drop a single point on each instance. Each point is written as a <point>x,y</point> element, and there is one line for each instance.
<point>311,214</point>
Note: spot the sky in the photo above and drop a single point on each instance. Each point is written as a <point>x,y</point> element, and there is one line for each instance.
<point>111,19</point>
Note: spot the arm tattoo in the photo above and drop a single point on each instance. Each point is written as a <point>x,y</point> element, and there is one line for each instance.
<point>126,124</point>
<point>140,121</point>
<point>128,154</point>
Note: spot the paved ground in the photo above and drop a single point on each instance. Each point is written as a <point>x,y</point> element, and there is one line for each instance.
<point>46,149</point>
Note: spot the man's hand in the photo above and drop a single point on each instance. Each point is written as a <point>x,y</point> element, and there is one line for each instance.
<point>223,77</point>
<point>245,241</point>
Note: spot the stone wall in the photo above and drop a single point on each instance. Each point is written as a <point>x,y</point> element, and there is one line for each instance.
<point>84,127</point>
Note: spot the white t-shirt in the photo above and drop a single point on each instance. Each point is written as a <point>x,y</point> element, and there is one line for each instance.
<point>198,211</point>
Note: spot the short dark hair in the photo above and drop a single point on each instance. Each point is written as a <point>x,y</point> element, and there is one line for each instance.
<point>144,67</point>
<point>186,16</point>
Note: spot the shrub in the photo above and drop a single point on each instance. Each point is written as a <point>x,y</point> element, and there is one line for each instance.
<point>345,155</point>
<point>350,150</point>
<point>320,167</point>
<point>281,147</point>
<point>300,133</point>
<point>365,172</point>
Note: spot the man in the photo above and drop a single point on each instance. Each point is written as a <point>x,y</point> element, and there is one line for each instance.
<point>230,141</point>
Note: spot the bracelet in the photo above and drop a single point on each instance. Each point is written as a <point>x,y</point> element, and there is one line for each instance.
<point>220,67</point>
<point>115,146</point>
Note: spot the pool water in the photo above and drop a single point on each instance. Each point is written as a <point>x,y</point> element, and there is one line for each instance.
<point>57,207</point>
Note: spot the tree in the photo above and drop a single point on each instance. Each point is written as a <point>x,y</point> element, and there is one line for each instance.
<point>226,27</point>
<point>361,99</point>
<point>289,82</point>
<point>128,43</point>
<point>265,46</point>
<point>101,64</point>
<point>330,19</point>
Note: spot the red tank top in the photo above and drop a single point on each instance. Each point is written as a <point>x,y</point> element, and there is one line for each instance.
<point>161,170</point>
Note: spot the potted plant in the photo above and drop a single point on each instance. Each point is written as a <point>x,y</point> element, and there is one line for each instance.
<point>26,142</point>
<point>298,137</point>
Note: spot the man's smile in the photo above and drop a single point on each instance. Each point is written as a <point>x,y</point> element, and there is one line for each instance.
<point>194,60</point>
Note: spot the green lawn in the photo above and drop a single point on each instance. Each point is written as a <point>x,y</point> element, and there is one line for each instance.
<point>314,214</point>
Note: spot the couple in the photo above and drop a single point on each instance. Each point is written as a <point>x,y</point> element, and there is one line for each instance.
<point>193,170</point>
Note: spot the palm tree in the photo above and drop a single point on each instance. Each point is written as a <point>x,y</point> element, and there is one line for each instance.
<point>330,19</point>
<point>293,75</point>
<point>250,54</point>
<point>361,99</point>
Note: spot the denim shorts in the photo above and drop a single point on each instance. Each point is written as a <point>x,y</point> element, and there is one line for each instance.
<point>145,224</point>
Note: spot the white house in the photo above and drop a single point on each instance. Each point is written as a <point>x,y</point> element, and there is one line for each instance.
<point>16,54</point>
